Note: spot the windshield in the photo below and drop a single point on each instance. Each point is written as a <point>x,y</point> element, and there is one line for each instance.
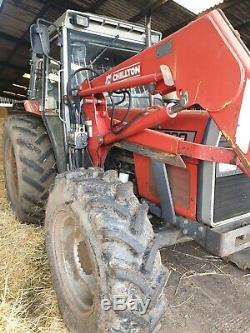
<point>86,51</point>
<point>101,54</point>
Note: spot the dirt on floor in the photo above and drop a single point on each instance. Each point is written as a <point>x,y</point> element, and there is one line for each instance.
<point>205,294</point>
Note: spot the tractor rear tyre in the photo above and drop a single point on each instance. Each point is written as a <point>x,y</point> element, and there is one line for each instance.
<point>29,166</point>
<point>101,246</point>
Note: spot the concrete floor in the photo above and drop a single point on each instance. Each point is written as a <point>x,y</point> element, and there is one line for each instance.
<point>205,294</point>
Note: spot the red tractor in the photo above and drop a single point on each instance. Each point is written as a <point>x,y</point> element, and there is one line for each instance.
<point>120,123</point>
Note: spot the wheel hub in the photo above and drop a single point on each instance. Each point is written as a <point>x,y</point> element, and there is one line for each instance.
<point>75,263</point>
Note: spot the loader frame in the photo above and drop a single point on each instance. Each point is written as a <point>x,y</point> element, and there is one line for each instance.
<point>160,68</point>
<point>198,79</point>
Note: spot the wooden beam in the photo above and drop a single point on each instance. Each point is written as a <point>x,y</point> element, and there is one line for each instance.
<point>242,25</point>
<point>15,97</point>
<point>10,65</point>
<point>175,28</point>
<point>8,85</point>
<point>18,43</point>
<point>152,7</point>
<point>64,5</point>
<point>226,4</point>
<point>14,91</point>
<point>72,5</point>
<point>96,5</point>
<point>13,39</point>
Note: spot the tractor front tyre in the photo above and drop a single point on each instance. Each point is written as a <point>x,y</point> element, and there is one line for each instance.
<point>29,166</point>
<point>105,265</point>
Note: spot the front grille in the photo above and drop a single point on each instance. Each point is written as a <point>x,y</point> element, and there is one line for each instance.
<point>223,190</point>
<point>231,197</point>
<point>232,193</point>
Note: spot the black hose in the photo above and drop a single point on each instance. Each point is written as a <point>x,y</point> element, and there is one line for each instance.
<point>112,125</point>
<point>69,89</point>
<point>76,112</point>
<point>122,124</point>
<point>117,127</point>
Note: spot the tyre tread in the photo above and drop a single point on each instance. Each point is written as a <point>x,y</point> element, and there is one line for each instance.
<point>121,221</point>
<point>36,164</point>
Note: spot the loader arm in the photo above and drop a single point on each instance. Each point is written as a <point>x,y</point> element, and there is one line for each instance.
<point>208,65</point>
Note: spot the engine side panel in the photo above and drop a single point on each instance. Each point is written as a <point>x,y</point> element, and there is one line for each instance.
<point>191,126</point>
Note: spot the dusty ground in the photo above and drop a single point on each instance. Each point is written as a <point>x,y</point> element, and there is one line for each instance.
<point>205,294</point>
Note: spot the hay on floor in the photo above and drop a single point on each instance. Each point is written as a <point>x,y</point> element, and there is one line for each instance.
<point>27,300</point>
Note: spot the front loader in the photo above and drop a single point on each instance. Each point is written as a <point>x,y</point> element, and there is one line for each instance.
<point>130,128</point>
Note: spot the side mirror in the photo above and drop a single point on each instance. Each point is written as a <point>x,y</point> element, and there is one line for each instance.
<point>39,37</point>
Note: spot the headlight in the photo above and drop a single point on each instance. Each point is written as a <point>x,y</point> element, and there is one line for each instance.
<point>80,20</point>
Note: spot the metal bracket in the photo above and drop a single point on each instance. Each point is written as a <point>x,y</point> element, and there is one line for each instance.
<point>221,241</point>
<point>164,191</point>
<point>170,236</point>
<point>171,159</point>
<point>228,242</point>
<point>78,139</point>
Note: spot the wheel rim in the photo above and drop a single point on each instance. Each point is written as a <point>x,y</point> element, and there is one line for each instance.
<point>11,172</point>
<point>76,268</point>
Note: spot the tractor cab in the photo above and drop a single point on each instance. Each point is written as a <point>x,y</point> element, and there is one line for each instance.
<point>75,41</point>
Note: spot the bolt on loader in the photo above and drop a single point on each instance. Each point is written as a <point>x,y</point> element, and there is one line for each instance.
<point>129,143</point>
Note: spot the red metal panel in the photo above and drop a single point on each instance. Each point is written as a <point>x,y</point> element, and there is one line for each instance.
<point>194,121</point>
<point>150,117</point>
<point>32,106</point>
<point>144,178</point>
<point>189,121</point>
<point>133,82</point>
<point>183,184</point>
<point>200,57</point>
